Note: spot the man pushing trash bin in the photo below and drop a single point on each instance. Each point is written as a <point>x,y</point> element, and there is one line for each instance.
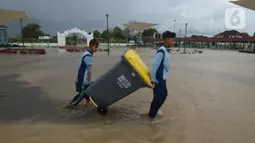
<point>83,78</point>
<point>159,72</point>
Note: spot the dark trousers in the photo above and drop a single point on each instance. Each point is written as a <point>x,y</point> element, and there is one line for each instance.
<point>81,95</point>
<point>160,94</point>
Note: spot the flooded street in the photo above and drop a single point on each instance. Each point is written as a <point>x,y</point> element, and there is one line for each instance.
<point>211,100</point>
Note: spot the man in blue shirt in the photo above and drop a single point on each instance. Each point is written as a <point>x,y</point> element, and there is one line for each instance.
<point>83,78</point>
<point>159,72</point>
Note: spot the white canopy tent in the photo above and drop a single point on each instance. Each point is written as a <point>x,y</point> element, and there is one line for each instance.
<point>139,26</point>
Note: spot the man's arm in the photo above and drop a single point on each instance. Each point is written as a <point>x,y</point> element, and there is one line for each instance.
<point>155,65</point>
<point>89,74</point>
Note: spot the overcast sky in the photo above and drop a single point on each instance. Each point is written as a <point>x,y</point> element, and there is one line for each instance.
<point>59,15</point>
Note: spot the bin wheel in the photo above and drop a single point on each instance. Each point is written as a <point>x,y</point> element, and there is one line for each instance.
<point>102,110</point>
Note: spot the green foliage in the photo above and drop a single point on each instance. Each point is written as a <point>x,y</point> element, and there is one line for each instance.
<point>32,30</point>
<point>198,36</point>
<point>117,33</point>
<point>127,33</point>
<point>97,34</point>
<point>106,34</point>
<point>71,40</point>
<point>149,32</point>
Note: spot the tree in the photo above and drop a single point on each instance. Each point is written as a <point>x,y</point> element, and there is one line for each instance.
<point>198,36</point>
<point>127,34</point>
<point>32,30</point>
<point>55,37</point>
<point>105,34</point>
<point>117,33</point>
<point>72,39</point>
<point>149,32</point>
<point>254,35</point>
<point>97,34</point>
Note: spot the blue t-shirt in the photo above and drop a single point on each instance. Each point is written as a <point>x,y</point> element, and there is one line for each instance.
<point>86,61</point>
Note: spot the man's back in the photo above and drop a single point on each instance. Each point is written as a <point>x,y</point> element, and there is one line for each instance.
<point>166,61</point>
<point>161,54</point>
<point>86,61</point>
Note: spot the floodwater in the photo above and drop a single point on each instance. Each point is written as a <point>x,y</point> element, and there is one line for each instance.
<point>211,100</point>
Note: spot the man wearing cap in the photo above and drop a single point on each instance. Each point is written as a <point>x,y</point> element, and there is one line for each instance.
<point>159,72</point>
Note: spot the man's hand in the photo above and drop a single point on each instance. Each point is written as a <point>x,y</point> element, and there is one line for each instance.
<point>153,84</point>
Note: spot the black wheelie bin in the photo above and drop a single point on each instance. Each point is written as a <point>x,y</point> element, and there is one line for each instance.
<point>127,76</point>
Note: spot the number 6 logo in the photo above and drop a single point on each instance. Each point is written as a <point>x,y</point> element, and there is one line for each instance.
<point>235,18</point>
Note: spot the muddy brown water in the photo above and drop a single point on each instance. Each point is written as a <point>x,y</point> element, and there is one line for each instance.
<point>211,100</point>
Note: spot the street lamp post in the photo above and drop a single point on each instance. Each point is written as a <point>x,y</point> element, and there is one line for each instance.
<point>21,28</point>
<point>180,31</point>
<point>186,26</point>
<point>174,25</point>
<point>108,36</point>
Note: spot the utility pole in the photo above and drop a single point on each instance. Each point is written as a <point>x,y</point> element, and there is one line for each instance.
<point>21,28</point>
<point>174,25</point>
<point>108,36</point>
<point>186,28</point>
<point>214,27</point>
<point>180,31</point>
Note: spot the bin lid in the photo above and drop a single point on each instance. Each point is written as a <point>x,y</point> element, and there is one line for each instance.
<point>142,69</point>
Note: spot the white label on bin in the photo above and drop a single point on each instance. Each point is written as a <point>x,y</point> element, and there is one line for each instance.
<point>123,77</point>
<point>120,79</point>
<point>123,82</point>
<point>119,85</point>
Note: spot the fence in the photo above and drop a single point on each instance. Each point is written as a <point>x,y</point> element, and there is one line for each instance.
<point>56,44</point>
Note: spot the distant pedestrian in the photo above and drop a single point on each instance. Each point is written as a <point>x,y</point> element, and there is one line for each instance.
<point>5,45</point>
